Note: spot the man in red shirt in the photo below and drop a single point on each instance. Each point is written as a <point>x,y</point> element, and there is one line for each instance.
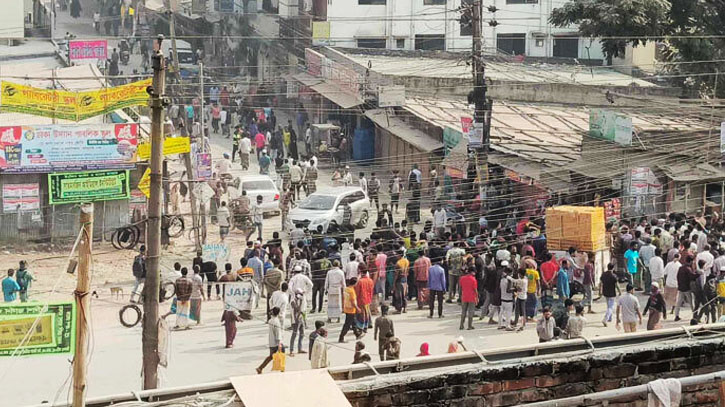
<point>469,297</point>
<point>549,271</point>
<point>420,268</point>
<point>259,142</point>
<point>364,293</point>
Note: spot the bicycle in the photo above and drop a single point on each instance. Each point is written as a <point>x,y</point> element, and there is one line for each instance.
<point>127,237</point>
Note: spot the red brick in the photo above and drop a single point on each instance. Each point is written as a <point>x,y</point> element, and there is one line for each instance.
<point>533,395</point>
<point>519,384</point>
<point>707,397</point>
<point>485,388</point>
<point>603,385</point>
<point>550,381</point>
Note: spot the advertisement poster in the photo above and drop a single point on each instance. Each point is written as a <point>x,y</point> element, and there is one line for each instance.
<point>172,145</point>
<point>88,186</point>
<point>52,334</point>
<point>23,197</point>
<point>613,209</point>
<point>59,147</point>
<point>71,105</point>
<point>239,296</point>
<point>144,184</point>
<point>79,50</point>
<point>203,166</point>
<point>612,126</point>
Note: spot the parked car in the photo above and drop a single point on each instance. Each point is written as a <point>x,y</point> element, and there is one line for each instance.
<point>261,185</point>
<point>326,206</point>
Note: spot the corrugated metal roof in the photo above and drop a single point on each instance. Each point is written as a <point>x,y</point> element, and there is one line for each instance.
<point>417,138</point>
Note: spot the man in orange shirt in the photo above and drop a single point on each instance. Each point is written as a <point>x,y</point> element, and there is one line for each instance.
<point>364,292</point>
<point>420,268</point>
<point>350,308</point>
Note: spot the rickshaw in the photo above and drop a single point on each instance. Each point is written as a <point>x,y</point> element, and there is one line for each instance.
<point>325,140</point>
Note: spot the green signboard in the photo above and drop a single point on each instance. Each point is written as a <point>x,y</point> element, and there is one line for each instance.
<point>37,330</point>
<point>612,126</point>
<point>72,187</point>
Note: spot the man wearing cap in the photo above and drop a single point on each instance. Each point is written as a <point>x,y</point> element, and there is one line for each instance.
<point>628,313</point>
<point>656,306</point>
<point>300,281</point>
<point>347,177</point>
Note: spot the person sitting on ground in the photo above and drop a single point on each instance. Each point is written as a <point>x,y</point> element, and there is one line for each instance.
<point>392,347</point>
<point>575,325</point>
<point>360,355</point>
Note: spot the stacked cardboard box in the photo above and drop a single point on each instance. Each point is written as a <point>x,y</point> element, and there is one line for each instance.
<point>575,226</point>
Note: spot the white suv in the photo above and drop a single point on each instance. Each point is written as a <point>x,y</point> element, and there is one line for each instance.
<point>324,206</point>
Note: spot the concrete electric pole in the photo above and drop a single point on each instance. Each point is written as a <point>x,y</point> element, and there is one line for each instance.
<point>150,334</point>
<point>83,303</point>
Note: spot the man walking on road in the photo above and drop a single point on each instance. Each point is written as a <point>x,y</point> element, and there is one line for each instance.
<point>183,288</point>
<point>274,338</point>
<point>628,308</point>
<point>469,298</point>
<point>437,286</point>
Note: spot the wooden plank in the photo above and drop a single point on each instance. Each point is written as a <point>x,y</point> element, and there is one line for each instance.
<point>290,389</point>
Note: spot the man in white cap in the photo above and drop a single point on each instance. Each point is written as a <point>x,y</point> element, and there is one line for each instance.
<point>300,282</point>
<point>507,297</point>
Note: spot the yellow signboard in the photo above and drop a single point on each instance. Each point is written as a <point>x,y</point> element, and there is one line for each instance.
<point>144,184</point>
<point>172,145</point>
<point>70,105</point>
<point>13,332</point>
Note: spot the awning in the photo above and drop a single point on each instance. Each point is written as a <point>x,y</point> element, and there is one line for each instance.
<point>403,130</point>
<point>329,90</point>
<point>554,179</point>
<point>692,172</point>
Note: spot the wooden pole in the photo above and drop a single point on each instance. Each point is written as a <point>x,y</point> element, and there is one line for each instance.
<point>82,300</point>
<point>150,333</point>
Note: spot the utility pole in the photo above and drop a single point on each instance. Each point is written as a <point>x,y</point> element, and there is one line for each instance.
<point>83,304</point>
<point>481,113</point>
<point>150,334</point>
<point>187,156</point>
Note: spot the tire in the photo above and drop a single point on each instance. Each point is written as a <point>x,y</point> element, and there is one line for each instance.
<point>169,290</point>
<point>175,226</point>
<point>364,218</point>
<point>114,240</point>
<point>135,315</point>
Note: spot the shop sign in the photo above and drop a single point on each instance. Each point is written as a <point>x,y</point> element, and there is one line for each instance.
<point>172,145</point>
<point>71,105</point>
<point>36,329</point>
<point>21,197</point>
<point>59,147</point>
<point>88,186</point>
<point>80,50</point>
<point>203,166</point>
<point>612,126</point>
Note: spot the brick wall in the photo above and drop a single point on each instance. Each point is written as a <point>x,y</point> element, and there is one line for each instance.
<point>549,379</point>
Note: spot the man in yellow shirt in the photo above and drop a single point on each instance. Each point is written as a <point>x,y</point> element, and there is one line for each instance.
<point>400,284</point>
<point>533,291</point>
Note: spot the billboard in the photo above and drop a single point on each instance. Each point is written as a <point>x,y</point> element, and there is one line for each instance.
<point>612,126</point>
<point>70,105</point>
<point>59,147</point>
<point>53,329</point>
<point>80,50</point>
<point>172,145</point>
<point>88,186</point>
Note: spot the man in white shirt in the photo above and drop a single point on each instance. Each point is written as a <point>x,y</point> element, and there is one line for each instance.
<point>351,268</point>
<point>671,270</point>
<point>223,220</point>
<point>245,146</point>
<point>224,166</point>
<point>280,299</point>
<point>439,221</point>
<point>628,313</point>
<point>719,262</point>
<point>301,282</point>
<point>257,217</point>
<point>708,257</point>
<point>657,268</point>
<point>363,182</point>
<point>646,253</point>
<point>295,174</point>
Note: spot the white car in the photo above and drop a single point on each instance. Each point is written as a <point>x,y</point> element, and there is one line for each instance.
<point>261,185</point>
<point>327,205</point>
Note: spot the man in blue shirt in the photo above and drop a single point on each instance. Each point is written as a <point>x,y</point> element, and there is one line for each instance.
<point>10,287</point>
<point>436,285</point>
<point>631,257</point>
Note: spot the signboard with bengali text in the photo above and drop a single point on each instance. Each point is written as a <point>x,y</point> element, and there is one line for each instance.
<point>61,147</point>
<point>172,145</point>
<point>71,105</point>
<point>88,186</point>
<point>52,330</point>
<point>21,197</point>
<point>80,50</point>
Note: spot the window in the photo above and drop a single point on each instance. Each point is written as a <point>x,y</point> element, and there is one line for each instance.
<point>466,18</point>
<point>522,1</point>
<point>514,44</point>
<point>400,43</point>
<point>356,196</point>
<point>539,42</point>
<point>371,42</point>
<point>371,2</point>
<point>566,47</point>
<point>434,2</point>
<point>430,42</point>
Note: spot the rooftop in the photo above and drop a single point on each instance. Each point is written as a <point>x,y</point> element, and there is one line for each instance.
<point>498,70</point>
